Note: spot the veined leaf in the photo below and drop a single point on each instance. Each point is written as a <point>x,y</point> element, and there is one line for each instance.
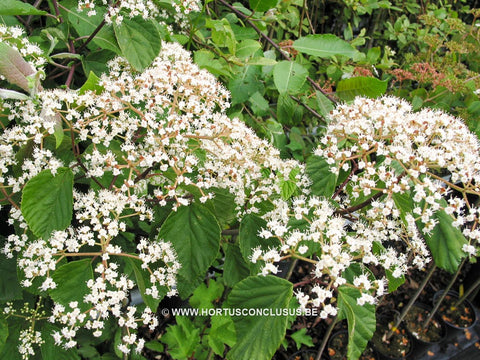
<point>17,7</point>
<point>323,180</point>
<point>139,41</point>
<point>195,234</point>
<point>361,320</point>
<point>262,5</point>
<point>324,46</point>
<point>71,280</point>
<point>371,87</point>
<point>445,242</point>
<point>47,201</point>
<point>289,76</point>
<point>258,337</point>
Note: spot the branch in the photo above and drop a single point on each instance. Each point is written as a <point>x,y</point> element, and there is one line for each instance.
<point>276,46</point>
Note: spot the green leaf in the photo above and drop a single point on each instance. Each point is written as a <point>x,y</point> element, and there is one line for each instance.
<point>205,59</point>
<point>247,48</point>
<point>289,112</point>
<point>258,337</point>
<point>182,338</point>
<point>289,76</point>
<point>245,85</point>
<point>17,7</point>
<point>203,297</point>
<point>142,277</point>
<point>85,25</point>
<point>393,282</point>
<point>235,268</point>
<point>96,61</point>
<point>71,280</point>
<point>10,288</point>
<point>287,189</point>
<point>91,84</point>
<point>47,201</point>
<point>222,331</point>
<point>155,346</point>
<point>54,352</point>
<point>445,242</point>
<point>3,332</point>
<point>262,5</point>
<point>195,234</point>
<point>139,41</point>
<point>302,338</point>
<point>248,237</point>
<point>324,105</point>
<point>348,89</point>
<point>361,320</point>
<point>323,180</point>
<point>324,46</point>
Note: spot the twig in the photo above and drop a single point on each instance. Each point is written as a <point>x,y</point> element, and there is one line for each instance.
<point>325,339</point>
<point>276,46</point>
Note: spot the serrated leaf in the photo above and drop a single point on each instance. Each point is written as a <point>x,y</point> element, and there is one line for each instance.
<point>91,84</point>
<point>47,201</point>
<point>195,234</point>
<point>445,242</point>
<point>248,237</point>
<point>235,268</point>
<point>71,280</point>
<point>17,7</point>
<point>289,77</point>
<point>204,296</point>
<point>371,87</point>
<point>85,25</point>
<point>10,288</point>
<point>3,332</point>
<point>222,331</point>
<point>258,337</point>
<point>262,5</point>
<point>287,189</point>
<point>324,105</point>
<point>142,277</point>
<point>52,351</point>
<point>323,180</point>
<point>139,41</point>
<point>181,339</point>
<point>361,320</point>
<point>302,338</point>
<point>324,46</point>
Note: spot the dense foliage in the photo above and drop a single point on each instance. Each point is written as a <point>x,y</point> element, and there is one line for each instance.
<point>183,149</point>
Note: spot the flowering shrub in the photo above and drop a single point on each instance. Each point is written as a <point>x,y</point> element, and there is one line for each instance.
<point>141,175</point>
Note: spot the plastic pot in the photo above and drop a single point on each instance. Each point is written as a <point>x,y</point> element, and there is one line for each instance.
<point>457,318</point>
<point>424,338</point>
<point>399,345</point>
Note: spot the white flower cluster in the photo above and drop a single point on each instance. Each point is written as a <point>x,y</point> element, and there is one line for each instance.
<point>15,37</point>
<point>145,140</point>
<point>386,151</point>
<point>147,9</point>
<point>395,151</point>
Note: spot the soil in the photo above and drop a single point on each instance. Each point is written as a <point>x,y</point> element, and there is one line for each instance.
<point>397,346</point>
<point>433,333</point>
<point>462,316</point>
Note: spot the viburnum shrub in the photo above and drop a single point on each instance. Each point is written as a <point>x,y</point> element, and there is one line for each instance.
<point>139,181</point>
